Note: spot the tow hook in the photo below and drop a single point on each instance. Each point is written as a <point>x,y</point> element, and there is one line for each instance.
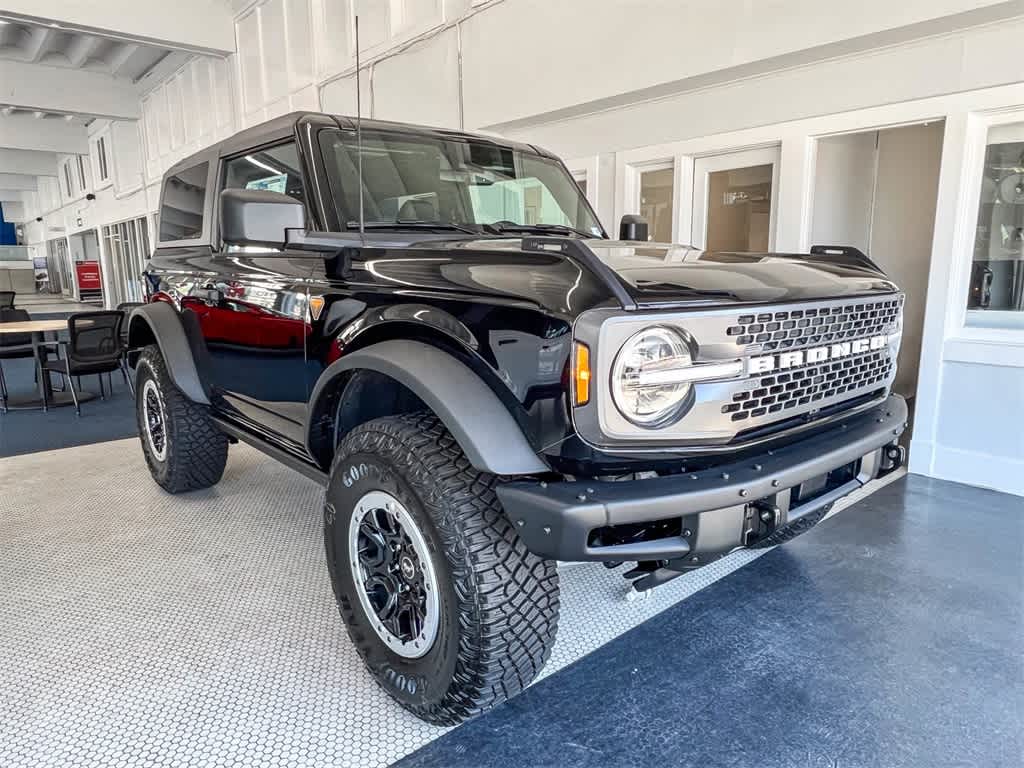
<point>768,516</point>
<point>894,456</point>
<point>768,513</point>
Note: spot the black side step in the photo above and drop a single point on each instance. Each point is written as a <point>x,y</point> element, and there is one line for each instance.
<point>286,457</point>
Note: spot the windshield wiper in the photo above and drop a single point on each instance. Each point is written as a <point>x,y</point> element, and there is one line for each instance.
<point>414,224</point>
<point>541,228</point>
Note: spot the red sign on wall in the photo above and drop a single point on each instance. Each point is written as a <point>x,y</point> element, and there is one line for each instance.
<point>88,273</point>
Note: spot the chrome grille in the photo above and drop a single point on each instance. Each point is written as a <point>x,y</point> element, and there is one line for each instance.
<point>796,386</point>
<point>811,384</point>
<point>798,328</point>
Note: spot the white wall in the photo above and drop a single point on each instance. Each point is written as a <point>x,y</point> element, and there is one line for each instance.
<point>844,190</point>
<point>190,110</point>
<point>554,55</point>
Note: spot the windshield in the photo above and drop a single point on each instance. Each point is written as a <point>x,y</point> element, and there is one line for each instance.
<point>462,183</point>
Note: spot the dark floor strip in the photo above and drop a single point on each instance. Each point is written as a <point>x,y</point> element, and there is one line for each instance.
<point>892,635</point>
<point>32,431</point>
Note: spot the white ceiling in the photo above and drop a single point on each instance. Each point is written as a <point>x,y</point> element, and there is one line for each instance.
<point>59,47</point>
<point>8,111</point>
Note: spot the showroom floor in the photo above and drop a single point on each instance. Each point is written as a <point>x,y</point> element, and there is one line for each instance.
<point>33,430</point>
<point>142,629</point>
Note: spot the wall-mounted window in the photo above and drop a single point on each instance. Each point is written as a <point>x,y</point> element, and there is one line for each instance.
<point>101,159</point>
<point>657,201</point>
<point>580,177</point>
<point>183,203</point>
<point>127,247</point>
<point>68,190</point>
<point>997,268</point>
<point>81,173</point>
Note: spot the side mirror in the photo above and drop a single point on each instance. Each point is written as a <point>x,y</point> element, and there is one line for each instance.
<point>258,217</point>
<point>633,227</point>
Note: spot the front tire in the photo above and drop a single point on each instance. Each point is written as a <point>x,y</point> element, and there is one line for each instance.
<point>449,611</point>
<point>183,447</point>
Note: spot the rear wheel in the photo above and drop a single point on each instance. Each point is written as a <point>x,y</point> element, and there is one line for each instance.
<point>183,447</point>
<point>449,611</point>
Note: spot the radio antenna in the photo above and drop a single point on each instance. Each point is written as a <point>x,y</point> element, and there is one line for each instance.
<point>359,134</point>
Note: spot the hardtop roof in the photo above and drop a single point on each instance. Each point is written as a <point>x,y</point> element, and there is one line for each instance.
<point>284,126</point>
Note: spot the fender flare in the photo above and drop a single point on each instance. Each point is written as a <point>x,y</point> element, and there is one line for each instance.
<point>167,328</point>
<point>481,424</point>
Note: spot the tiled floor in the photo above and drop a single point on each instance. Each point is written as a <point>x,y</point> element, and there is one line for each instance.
<point>137,628</point>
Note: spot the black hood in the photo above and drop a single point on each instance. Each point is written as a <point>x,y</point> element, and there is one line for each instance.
<point>657,275</point>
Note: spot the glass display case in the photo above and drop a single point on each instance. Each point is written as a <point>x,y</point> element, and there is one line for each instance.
<point>997,269</point>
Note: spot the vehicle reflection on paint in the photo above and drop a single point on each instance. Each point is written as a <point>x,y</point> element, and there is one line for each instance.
<point>252,314</point>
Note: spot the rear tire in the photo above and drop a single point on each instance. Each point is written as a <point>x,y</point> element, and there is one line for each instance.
<point>183,447</point>
<point>495,606</point>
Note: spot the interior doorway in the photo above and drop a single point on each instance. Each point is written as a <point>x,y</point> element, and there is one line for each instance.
<point>734,197</point>
<point>876,191</point>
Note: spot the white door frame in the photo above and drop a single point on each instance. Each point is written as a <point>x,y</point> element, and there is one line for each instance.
<point>703,167</point>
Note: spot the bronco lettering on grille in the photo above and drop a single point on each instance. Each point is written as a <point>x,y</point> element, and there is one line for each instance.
<point>796,358</point>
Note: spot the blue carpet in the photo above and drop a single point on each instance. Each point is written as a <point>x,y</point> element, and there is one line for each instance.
<point>892,635</point>
<point>31,431</point>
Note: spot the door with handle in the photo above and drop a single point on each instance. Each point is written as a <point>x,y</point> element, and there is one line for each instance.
<point>253,320</point>
<point>255,310</point>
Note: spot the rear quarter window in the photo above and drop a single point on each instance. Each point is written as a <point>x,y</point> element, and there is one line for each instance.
<point>183,204</point>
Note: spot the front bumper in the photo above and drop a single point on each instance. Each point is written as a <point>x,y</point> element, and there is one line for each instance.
<point>717,509</point>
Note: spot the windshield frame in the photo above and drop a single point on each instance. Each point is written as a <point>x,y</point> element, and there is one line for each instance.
<point>346,222</point>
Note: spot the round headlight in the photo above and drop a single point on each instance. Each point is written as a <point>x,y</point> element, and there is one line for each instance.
<point>649,403</point>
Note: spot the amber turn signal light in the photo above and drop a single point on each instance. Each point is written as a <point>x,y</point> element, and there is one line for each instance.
<point>581,374</point>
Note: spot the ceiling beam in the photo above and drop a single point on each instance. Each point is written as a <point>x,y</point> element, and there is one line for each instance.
<point>160,71</point>
<point>19,181</point>
<point>198,26</point>
<point>83,47</point>
<point>121,55</point>
<point>28,162</point>
<point>39,43</point>
<point>60,89</point>
<point>22,131</point>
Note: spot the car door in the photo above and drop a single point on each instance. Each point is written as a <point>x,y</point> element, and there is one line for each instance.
<point>252,309</point>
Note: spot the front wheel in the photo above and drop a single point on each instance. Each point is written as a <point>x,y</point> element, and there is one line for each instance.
<point>449,611</point>
<point>183,447</point>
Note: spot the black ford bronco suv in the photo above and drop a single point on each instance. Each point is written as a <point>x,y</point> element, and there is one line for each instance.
<point>435,326</point>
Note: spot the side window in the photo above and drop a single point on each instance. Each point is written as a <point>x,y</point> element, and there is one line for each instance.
<point>101,156</point>
<point>182,205</point>
<point>276,169</point>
